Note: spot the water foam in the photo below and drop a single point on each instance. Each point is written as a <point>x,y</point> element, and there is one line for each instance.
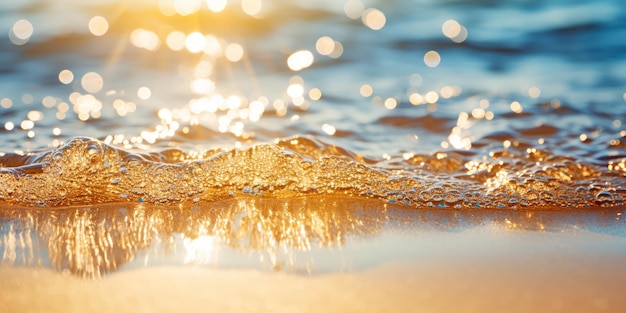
<point>88,171</point>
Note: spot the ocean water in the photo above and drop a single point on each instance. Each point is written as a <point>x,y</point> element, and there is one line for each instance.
<point>445,105</point>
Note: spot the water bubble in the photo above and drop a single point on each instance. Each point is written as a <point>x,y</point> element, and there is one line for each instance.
<point>604,196</point>
<point>452,196</point>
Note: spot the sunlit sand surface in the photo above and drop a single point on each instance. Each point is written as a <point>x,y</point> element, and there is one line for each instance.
<point>306,254</point>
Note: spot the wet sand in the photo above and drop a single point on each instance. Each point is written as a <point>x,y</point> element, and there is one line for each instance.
<point>544,284</point>
<point>343,255</point>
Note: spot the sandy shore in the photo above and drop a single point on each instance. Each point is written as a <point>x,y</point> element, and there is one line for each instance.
<point>555,285</point>
<point>361,259</point>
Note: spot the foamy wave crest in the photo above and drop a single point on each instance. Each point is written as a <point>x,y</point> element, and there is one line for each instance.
<point>88,171</point>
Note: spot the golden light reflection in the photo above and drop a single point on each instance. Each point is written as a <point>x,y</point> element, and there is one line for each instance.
<point>325,45</point>
<point>176,40</point>
<point>354,9</point>
<point>432,58</point>
<point>146,39</point>
<point>93,241</point>
<point>329,129</point>
<point>234,52</point>
<point>251,7</point>
<point>98,26</point>
<point>195,42</point>
<point>374,19</point>
<point>144,93</point>
<point>6,103</point>
<point>92,82</point>
<point>66,77</point>
<point>300,60</point>
<point>21,32</point>
<point>216,5</point>
<point>315,94</point>
<point>187,7</point>
<point>366,90</point>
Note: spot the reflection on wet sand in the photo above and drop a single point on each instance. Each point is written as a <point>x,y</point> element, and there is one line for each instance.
<point>92,241</point>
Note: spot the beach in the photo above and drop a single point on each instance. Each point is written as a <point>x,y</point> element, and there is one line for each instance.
<point>298,156</point>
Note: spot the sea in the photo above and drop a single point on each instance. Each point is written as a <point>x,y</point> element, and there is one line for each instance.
<point>272,126</point>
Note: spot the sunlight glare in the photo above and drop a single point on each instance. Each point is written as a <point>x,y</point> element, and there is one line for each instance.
<point>300,60</point>
<point>374,19</point>
<point>234,52</point>
<point>216,5</point>
<point>251,7</point>
<point>195,42</point>
<point>92,82</point>
<point>98,25</point>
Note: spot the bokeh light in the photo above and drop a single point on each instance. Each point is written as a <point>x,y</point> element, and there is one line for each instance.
<point>98,25</point>
<point>234,52</point>
<point>374,19</point>
<point>92,82</point>
<point>300,60</point>
<point>21,32</point>
<point>66,77</point>
<point>432,58</point>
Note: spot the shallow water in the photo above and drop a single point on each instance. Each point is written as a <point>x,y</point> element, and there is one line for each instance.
<point>472,106</point>
<point>447,105</point>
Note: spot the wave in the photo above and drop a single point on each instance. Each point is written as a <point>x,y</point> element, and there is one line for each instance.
<point>88,171</point>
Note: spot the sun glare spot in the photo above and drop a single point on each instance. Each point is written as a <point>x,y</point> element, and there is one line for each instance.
<point>516,107</point>
<point>374,19</point>
<point>300,60</point>
<point>202,86</point>
<point>366,90</point>
<point>353,9</point>
<point>187,7</point>
<point>325,45</point>
<point>534,92</point>
<point>195,42</point>
<point>251,7</point>
<point>329,129</point>
<point>416,99</point>
<point>92,82</point>
<point>390,103</point>
<point>66,77</point>
<point>98,25</point>
<point>455,31</point>
<point>451,28</point>
<point>432,58</point>
<point>216,5</point>
<point>176,40</point>
<point>315,94</point>
<point>144,93</point>
<point>6,103</point>
<point>234,52</point>
<point>145,39</point>
<point>295,90</point>
<point>212,46</point>
<point>432,97</point>
<point>21,32</point>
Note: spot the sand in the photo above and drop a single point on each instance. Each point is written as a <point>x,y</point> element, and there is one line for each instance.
<point>391,261</point>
